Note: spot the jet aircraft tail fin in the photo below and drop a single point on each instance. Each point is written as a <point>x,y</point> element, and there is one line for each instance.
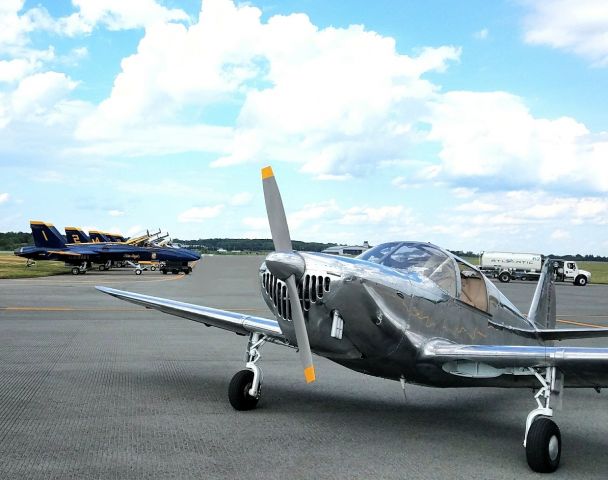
<point>46,235</point>
<point>98,237</point>
<point>76,235</point>
<point>542,311</point>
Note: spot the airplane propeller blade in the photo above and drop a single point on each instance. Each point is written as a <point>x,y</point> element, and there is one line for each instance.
<point>276,213</point>
<point>282,243</point>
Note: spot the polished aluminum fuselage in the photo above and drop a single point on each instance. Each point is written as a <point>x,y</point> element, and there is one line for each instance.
<point>389,317</point>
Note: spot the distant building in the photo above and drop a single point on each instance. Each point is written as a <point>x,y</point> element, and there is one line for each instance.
<point>350,250</point>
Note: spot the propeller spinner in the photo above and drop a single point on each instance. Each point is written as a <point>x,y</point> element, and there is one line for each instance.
<point>285,263</point>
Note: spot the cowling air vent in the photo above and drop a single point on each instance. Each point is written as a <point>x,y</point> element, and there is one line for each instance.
<point>310,289</point>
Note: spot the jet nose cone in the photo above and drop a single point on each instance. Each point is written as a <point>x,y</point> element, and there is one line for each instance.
<point>194,255</point>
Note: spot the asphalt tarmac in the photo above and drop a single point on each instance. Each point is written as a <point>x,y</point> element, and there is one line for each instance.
<point>95,388</point>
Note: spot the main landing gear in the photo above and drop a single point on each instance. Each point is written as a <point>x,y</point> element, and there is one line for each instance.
<point>81,269</point>
<point>245,387</point>
<point>543,440</point>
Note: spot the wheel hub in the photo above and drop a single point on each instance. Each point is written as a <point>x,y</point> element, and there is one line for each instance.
<point>553,448</point>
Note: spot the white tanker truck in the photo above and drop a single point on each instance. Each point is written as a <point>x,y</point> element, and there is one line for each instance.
<point>507,266</point>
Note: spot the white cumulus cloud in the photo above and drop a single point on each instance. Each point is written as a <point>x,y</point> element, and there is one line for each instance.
<point>241,198</point>
<point>199,214</point>
<point>493,135</point>
<point>578,26</point>
<point>116,15</point>
<point>4,197</point>
<point>336,100</point>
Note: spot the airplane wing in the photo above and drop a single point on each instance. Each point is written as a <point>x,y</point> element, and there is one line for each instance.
<point>585,366</point>
<point>553,333</point>
<point>234,322</point>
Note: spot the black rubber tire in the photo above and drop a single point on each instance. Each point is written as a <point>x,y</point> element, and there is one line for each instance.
<point>102,268</point>
<point>153,268</point>
<point>186,272</point>
<point>238,391</point>
<point>504,277</point>
<point>581,281</point>
<point>164,271</point>
<point>542,433</point>
<point>138,271</point>
<point>75,270</point>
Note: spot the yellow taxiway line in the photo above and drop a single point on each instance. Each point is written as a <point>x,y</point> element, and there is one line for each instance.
<point>19,281</point>
<point>582,324</point>
<point>100,309</point>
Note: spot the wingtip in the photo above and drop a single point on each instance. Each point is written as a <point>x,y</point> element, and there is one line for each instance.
<point>267,172</point>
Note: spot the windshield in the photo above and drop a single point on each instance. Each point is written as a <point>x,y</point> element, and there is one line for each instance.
<point>419,258</point>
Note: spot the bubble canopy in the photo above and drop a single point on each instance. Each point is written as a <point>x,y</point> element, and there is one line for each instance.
<point>422,259</point>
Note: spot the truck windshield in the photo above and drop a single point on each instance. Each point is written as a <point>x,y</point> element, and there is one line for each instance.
<point>421,259</point>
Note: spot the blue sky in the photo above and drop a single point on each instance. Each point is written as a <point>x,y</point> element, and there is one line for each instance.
<point>474,125</point>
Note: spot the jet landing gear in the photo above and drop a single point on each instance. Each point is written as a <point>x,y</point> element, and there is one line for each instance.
<point>245,387</point>
<point>82,269</point>
<point>543,440</point>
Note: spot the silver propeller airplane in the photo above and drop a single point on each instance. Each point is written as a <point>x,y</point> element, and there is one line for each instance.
<point>410,312</point>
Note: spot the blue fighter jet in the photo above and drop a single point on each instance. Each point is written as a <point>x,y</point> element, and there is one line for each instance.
<point>51,245</point>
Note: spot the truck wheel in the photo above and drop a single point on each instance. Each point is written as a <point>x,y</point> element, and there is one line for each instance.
<point>504,277</point>
<point>75,270</point>
<point>581,281</point>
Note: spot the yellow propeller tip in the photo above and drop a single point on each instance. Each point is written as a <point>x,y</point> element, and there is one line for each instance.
<point>267,173</point>
<point>309,374</point>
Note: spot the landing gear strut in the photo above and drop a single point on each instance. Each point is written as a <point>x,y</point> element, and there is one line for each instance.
<point>543,440</point>
<point>245,387</point>
<point>81,269</point>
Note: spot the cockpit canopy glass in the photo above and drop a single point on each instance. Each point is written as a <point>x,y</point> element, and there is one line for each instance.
<point>421,259</point>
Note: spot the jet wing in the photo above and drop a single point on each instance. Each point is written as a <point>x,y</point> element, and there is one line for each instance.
<point>234,322</point>
<point>586,367</point>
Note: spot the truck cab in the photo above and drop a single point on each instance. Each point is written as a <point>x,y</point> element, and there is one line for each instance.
<point>568,271</point>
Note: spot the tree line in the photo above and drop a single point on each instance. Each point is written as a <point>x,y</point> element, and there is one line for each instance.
<point>207,245</point>
<point>14,240</point>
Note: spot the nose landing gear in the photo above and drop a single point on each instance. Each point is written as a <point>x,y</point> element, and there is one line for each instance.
<point>246,385</point>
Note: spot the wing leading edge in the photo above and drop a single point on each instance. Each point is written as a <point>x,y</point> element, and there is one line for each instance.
<point>584,366</point>
<point>234,322</point>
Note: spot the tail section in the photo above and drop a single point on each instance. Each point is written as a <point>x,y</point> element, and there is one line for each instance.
<point>46,235</point>
<point>98,237</point>
<point>115,237</point>
<point>76,235</point>
<point>542,310</point>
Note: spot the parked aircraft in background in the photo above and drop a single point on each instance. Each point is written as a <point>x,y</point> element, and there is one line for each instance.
<point>116,237</point>
<point>99,237</point>
<point>51,245</point>
<point>76,235</point>
<point>406,311</point>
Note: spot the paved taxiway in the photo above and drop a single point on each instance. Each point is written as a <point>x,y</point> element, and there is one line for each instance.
<point>91,387</point>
